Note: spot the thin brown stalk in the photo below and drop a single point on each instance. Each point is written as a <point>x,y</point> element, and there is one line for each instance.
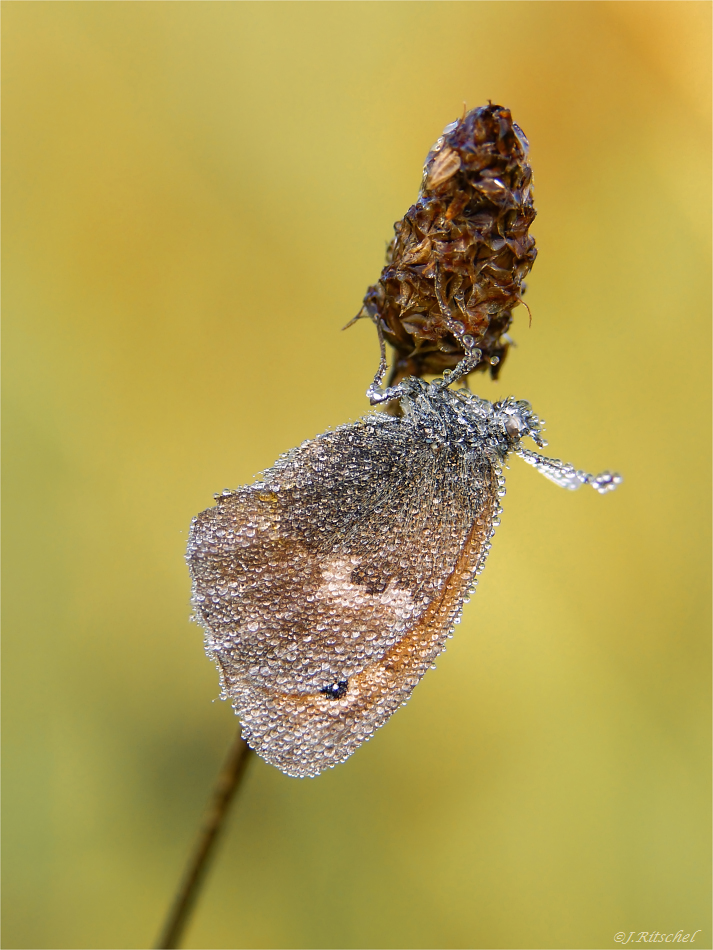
<point>225,787</point>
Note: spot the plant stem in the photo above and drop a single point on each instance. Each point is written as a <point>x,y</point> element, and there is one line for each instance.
<point>226,785</point>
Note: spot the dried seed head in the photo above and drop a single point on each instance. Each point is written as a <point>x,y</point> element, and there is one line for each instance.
<point>455,268</point>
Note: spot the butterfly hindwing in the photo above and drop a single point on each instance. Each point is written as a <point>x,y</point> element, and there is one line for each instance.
<point>327,588</point>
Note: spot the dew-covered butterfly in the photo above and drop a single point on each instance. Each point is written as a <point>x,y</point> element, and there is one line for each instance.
<point>328,587</point>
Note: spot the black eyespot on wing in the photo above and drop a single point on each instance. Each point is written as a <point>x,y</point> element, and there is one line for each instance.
<point>336,690</point>
<point>372,583</point>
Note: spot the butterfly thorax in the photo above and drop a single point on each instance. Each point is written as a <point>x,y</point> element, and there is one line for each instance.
<point>463,421</point>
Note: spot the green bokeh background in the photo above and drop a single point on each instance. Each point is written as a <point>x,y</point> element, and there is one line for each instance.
<point>196,196</point>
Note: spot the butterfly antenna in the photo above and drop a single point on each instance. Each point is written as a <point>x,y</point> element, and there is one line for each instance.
<point>567,476</point>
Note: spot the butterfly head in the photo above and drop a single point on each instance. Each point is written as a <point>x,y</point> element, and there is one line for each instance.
<point>517,421</point>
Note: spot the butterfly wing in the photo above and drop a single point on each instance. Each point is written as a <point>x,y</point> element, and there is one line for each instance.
<point>327,588</point>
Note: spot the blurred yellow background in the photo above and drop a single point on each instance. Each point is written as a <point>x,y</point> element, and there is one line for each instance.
<point>196,196</point>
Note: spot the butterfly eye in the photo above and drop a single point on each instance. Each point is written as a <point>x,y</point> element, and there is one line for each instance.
<point>336,690</point>
<point>514,426</point>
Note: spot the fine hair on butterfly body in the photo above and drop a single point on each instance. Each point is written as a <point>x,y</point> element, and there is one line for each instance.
<point>328,587</point>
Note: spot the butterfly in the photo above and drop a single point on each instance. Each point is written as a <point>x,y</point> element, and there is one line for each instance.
<point>328,587</point>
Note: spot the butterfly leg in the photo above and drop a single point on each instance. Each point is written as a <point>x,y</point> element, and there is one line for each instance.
<point>375,393</point>
<point>466,365</point>
<point>567,476</point>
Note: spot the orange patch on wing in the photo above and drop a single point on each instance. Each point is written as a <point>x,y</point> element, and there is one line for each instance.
<point>339,726</point>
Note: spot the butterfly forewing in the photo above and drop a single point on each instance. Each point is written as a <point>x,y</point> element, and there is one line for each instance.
<point>327,588</point>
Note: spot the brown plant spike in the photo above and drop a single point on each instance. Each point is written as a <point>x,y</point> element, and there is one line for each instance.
<point>456,266</point>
